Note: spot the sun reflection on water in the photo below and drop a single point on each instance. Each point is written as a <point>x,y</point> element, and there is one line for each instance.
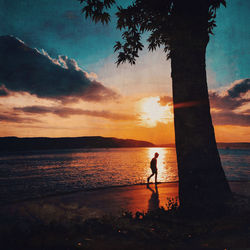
<point>161,161</point>
<point>71,170</point>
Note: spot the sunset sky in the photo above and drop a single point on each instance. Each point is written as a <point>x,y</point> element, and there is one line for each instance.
<point>58,76</point>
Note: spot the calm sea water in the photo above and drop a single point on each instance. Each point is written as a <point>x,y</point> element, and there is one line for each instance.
<point>40,173</point>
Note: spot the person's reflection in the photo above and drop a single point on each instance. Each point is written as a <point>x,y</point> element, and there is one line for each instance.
<point>153,202</point>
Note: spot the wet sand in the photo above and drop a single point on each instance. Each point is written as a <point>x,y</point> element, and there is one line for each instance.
<point>95,203</point>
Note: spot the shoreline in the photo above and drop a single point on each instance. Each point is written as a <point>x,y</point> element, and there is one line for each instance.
<point>96,203</point>
<point>81,190</point>
<point>94,189</point>
<point>96,221</point>
<point>89,204</point>
<point>45,151</point>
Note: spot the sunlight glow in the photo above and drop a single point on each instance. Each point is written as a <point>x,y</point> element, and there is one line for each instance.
<point>152,112</point>
<point>161,160</point>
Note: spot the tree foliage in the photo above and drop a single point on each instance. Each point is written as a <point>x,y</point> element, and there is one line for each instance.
<point>154,17</point>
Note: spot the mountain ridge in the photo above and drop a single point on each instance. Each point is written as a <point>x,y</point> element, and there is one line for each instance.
<point>13,143</point>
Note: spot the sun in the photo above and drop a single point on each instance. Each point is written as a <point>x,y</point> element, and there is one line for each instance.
<point>151,112</point>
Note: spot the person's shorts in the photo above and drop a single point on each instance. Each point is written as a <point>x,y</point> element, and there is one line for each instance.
<point>154,170</point>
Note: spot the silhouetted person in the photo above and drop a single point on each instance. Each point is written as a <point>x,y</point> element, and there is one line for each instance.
<point>153,166</point>
<point>153,203</point>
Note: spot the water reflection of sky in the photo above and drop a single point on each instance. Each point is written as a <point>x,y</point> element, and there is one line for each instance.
<point>39,173</point>
<point>42,173</point>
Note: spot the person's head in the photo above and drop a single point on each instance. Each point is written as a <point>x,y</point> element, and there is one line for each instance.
<point>156,155</point>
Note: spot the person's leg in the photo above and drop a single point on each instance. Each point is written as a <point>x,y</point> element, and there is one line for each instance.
<point>156,177</point>
<point>150,177</point>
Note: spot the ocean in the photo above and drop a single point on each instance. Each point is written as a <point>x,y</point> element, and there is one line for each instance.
<point>27,175</point>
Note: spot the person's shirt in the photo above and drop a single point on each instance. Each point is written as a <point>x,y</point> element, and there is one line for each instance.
<point>153,163</point>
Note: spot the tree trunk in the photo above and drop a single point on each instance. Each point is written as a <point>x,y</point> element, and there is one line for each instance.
<point>202,182</point>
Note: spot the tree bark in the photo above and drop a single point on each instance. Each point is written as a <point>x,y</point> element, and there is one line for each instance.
<point>202,181</point>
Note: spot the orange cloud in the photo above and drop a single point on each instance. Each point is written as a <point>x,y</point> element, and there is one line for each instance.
<point>66,112</point>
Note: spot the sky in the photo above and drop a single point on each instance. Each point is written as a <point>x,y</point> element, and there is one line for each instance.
<point>58,76</point>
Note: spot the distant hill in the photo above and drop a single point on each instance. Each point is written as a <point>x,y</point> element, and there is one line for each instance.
<point>234,145</point>
<point>41,143</point>
<point>169,145</point>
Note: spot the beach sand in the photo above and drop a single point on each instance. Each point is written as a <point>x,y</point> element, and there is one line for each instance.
<point>96,203</point>
<point>87,220</point>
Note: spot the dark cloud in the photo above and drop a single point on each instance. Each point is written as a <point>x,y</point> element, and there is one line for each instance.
<point>16,119</point>
<point>239,88</point>
<point>26,69</point>
<point>66,112</point>
<point>3,91</point>
<point>233,98</point>
<point>231,118</point>
<point>226,104</point>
